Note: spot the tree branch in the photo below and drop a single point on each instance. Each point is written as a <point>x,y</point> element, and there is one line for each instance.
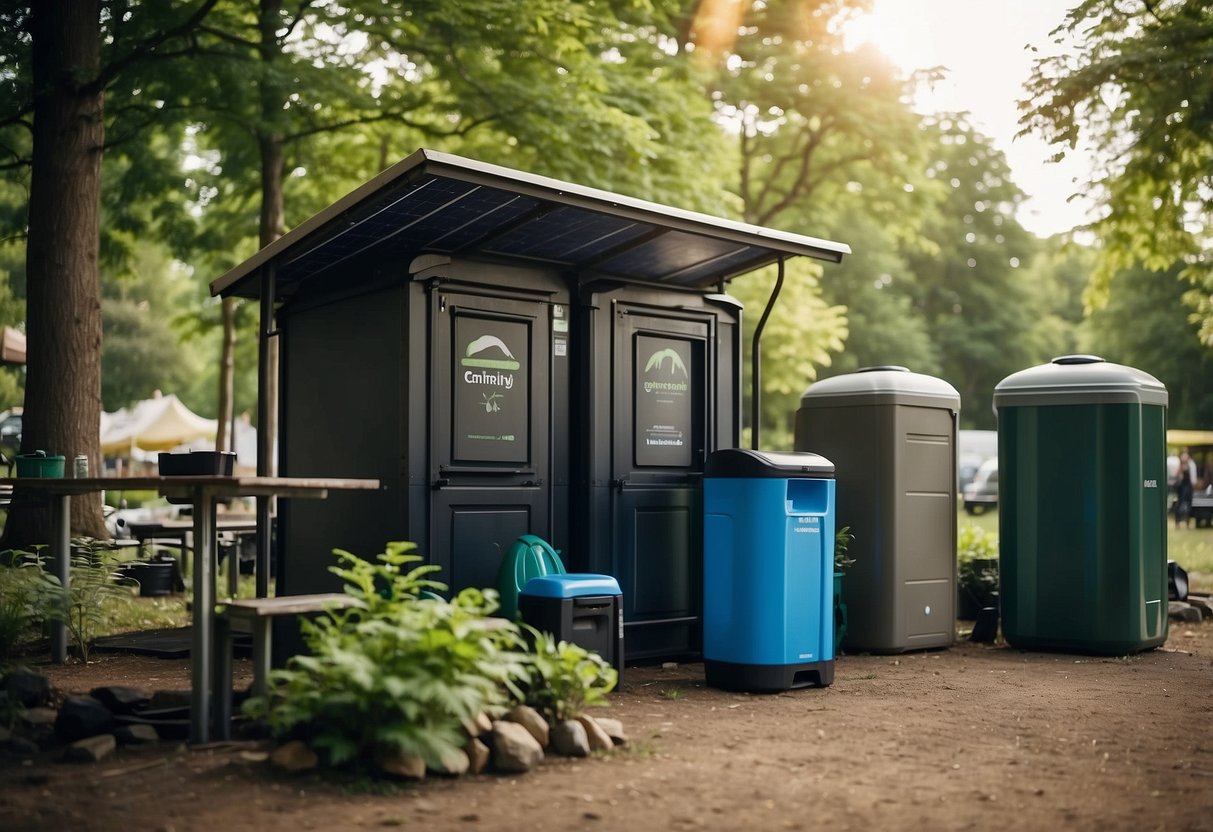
<point>149,45</point>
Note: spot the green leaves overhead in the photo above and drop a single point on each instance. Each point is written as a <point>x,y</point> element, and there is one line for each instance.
<point>1134,84</point>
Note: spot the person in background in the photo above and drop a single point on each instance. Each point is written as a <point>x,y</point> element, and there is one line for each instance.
<point>1185,481</point>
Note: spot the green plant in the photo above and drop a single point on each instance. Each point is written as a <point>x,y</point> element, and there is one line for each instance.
<point>94,586</point>
<point>19,616</point>
<point>977,563</point>
<point>401,674</point>
<point>842,542</point>
<point>566,677</point>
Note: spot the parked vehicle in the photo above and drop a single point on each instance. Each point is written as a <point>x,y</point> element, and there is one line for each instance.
<point>973,448</point>
<point>982,493</point>
<point>10,436</point>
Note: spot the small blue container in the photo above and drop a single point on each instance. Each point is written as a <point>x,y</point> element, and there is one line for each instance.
<point>579,608</point>
<point>768,564</point>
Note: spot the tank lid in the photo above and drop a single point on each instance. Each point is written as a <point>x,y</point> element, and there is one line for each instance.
<point>883,384</point>
<point>743,462</point>
<point>1079,379</point>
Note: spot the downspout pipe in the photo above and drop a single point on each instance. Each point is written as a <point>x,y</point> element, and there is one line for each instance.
<point>756,362</point>
<point>265,450</point>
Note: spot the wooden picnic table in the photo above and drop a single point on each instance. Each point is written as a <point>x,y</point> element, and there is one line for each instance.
<point>203,491</point>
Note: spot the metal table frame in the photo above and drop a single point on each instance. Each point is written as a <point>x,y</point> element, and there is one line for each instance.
<point>203,491</point>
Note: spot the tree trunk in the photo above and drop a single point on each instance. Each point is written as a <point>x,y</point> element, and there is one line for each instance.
<point>273,222</point>
<point>63,314</point>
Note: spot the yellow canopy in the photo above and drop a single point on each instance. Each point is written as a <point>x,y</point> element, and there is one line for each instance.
<point>160,423</point>
<point>1182,438</point>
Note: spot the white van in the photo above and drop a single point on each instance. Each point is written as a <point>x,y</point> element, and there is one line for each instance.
<point>982,492</point>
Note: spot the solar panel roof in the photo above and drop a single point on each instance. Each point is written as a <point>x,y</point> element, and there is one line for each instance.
<point>437,203</point>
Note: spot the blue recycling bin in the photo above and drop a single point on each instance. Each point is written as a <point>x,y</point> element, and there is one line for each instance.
<point>768,563</point>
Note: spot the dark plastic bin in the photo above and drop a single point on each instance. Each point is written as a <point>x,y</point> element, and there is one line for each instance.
<point>891,435</point>
<point>579,608</point>
<point>1082,507</point>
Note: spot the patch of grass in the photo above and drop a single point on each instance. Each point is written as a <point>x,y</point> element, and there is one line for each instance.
<point>140,613</point>
<point>670,693</point>
<point>638,749</point>
<point>1193,550</point>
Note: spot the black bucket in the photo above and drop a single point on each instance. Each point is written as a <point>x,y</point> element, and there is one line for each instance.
<point>155,577</point>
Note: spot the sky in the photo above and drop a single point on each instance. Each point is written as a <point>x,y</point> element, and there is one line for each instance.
<point>981,43</point>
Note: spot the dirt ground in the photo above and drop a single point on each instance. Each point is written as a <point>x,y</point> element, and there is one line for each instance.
<point>975,737</point>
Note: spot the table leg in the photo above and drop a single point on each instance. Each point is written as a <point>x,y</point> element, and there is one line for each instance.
<point>202,643</point>
<point>223,679</point>
<point>61,559</point>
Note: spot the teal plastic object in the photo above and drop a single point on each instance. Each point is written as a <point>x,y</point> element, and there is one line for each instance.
<point>530,556</point>
<point>40,464</point>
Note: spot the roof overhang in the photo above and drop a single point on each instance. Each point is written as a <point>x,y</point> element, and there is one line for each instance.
<point>437,203</point>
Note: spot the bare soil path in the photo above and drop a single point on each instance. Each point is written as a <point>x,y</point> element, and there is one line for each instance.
<point>975,737</point>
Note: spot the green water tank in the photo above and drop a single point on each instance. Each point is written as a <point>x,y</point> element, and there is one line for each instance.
<point>1082,507</point>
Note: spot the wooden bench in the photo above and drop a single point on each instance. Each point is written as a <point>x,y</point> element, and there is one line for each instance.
<point>259,612</point>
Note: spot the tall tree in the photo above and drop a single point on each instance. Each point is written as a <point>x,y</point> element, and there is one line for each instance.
<point>63,382</point>
<point>818,128</point>
<point>54,113</point>
<point>1134,83</point>
<point>555,85</point>
<point>1145,325</point>
<point>971,284</point>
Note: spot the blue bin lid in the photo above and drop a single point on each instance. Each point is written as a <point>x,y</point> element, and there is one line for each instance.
<point>573,585</point>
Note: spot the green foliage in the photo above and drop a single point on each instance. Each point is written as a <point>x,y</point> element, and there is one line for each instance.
<point>566,678</point>
<point>401,673</point>
<point>842,542</point>
<point>799,337</point>
<point>19,615</point>
<point>972,290</point>
<point>1145,325</point>
<point>1133,84</point>
<point>977,561</point>
<point>95,586</point>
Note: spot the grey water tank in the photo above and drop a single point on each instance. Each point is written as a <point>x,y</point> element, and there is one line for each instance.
<point>892,436</point>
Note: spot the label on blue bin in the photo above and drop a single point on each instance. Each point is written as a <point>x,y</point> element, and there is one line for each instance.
<point>807,525</point>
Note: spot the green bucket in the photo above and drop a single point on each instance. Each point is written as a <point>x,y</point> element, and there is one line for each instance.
<point>528,557</point>
<point>38,464</point>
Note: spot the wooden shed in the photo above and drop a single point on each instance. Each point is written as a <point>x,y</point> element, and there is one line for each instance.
<point>510,354</point>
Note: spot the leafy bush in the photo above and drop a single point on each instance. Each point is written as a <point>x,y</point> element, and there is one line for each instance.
<point>401,674</point>
<point>19,616</point>
<point>842,542</point>
<point>94,586</point>
<point>977,563</point>
<point>566,677</point>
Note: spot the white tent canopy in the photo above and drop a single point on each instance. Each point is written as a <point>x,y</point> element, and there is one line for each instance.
<point>160,423</point>
<point>12,347</point>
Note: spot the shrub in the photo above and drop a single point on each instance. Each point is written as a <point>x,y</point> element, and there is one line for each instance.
<point>842,542</point>
<point>19,616</point>
<point>566,677</point>
<point>94,586</point>
<point>977,563</point>
<point>400,675</point>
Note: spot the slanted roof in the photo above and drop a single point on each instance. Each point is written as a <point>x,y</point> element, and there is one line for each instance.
<point>436,203</point>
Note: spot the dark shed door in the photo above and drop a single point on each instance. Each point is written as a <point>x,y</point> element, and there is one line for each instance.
<point>490,394</point>
<point>660,385</point>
